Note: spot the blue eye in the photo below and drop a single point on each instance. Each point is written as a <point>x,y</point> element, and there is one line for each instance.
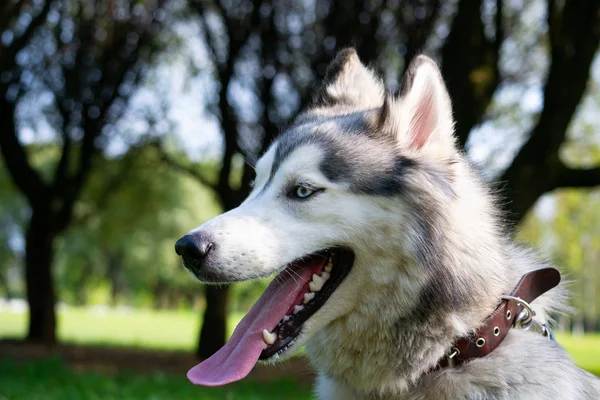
<point>302,192</point>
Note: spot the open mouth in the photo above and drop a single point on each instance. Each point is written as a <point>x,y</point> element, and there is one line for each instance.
<point>329,268</point>
<point>275,321</point>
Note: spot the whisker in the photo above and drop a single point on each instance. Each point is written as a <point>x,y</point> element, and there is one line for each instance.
<point>300,276</point>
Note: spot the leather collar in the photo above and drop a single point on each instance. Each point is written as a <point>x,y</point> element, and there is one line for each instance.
<point>508,313</point>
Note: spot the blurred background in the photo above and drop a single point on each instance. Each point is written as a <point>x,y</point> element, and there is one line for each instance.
<point>123,124</point>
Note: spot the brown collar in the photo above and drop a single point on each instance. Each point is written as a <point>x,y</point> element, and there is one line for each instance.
<point>494,329</point>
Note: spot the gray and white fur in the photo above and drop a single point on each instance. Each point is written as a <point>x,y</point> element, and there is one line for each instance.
<point>432,257</point>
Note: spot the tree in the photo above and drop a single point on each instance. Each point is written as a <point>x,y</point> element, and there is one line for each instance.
<point>13,212</point>
<point>275,52</point>
<point>571,235</point>
<point>574,35</point>
<point>122,239</point>
<point>85,68</point>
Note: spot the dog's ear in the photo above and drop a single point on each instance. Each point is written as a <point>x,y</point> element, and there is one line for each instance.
<point>348,82</point>
<point>421,118</point>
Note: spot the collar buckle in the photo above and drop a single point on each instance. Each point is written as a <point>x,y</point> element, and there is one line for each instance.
<point>525,317</point>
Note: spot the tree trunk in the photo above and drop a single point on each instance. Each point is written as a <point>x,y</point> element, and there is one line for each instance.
<point>4,283</point>
<point>158,292</point>
<point>214,323</point>
<point>115,276</point>
<point>38,276</point>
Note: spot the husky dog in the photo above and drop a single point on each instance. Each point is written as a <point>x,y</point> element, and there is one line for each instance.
<point>388,248</point>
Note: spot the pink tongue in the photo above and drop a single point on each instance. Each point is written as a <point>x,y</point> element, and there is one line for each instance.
<point>237,358</point>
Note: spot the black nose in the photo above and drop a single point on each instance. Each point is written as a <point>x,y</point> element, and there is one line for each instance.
<point>194,248</point>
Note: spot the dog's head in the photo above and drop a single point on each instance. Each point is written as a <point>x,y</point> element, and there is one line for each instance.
<point>354,185</point>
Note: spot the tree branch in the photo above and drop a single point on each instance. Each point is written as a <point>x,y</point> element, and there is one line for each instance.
<point>7,57</point>
<point>418,30</point>
<point>342,23</point>
<point>269,38</point>
<point>578,177</point>
<point>500,34</point>
<point>470,65</point>
<point>8,11</point>
<point>179,166</point>
<point>575,36</point>
<point>237,30</point>
<point>116,68</point>
<point>112,183</point>
<point>15,158</point>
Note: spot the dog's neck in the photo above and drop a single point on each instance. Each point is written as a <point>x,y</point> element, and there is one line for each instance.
<point>401,329</point>
<point>374,350</point>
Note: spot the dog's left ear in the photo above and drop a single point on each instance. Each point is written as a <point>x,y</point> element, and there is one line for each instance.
<point>348,82</point>
<point>421,118</point>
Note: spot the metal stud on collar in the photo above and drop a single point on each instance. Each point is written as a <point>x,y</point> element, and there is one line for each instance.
<point>480,342</point>
<point>450,357</point>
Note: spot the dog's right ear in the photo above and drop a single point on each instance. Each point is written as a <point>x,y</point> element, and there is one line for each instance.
<point>348,82</point>
<point>421,119</point>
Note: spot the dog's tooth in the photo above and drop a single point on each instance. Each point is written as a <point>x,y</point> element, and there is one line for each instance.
<point>297,309</point>
<point>329,267</point>
<point>308,297</point>
<point>316,284</point>
<point>325,275</point>
<point>315,287</point>
<point>286,318</point>
<point>269,337</point>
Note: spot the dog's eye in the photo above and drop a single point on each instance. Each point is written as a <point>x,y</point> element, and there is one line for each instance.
<point>303,192</point>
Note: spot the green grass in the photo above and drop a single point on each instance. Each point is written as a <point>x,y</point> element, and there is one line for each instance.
<point>585,350</point>
<point>178,330</point>
<point>171,330</point>
<point>168,330</point>
<point>51,380</point>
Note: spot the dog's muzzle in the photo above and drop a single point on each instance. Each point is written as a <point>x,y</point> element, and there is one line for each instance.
<point>194,248</point>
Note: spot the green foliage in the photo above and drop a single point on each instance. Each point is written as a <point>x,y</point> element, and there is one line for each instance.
<point>52,380</point>
<point>567,226</point>
<point>119,248</point>
<point>569,232</point>
<point>571,236</point>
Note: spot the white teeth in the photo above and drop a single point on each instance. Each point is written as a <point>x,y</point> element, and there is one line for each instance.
<point>286,318</point>
<point>316,284</point>
<point>308,297</point>
<point>325,275</point>
<point>297,309</point>
<point>329,266</point>
<point>269,337</point>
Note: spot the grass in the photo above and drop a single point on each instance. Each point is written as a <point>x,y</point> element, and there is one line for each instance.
<point>178,330</point>
<point>165,330</point>
<point>51,380</point>
<point>584,349</point>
